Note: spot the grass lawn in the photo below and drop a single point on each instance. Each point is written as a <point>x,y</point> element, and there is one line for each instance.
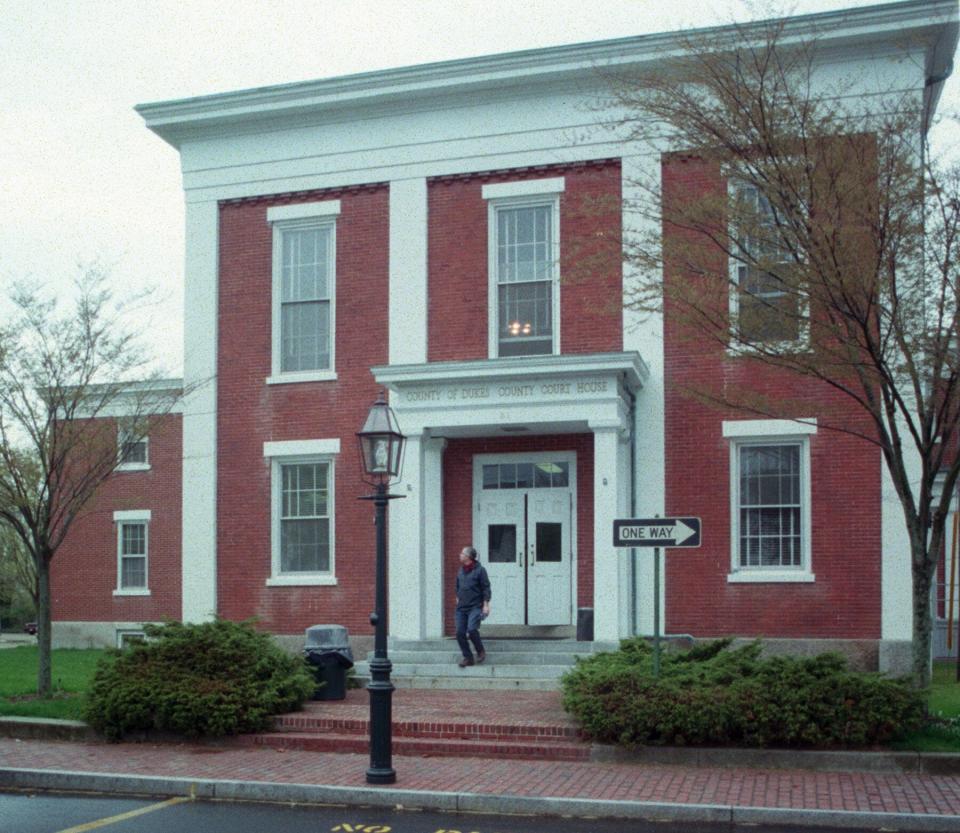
<point>72,672</point>
<point>945,701</point>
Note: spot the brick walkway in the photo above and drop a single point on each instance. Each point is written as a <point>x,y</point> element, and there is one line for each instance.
<point>860,792</point>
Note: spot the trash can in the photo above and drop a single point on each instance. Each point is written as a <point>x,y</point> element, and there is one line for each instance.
<point>328,650</point>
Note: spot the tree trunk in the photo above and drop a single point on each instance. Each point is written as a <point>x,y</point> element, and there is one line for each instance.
<point>44,675</point>
<point>922,626</point>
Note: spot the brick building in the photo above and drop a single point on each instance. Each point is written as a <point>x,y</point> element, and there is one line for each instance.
<point>425,230</point>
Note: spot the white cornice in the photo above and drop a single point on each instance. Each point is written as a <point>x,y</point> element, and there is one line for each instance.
<point>629,364</point>
<point>181,119</point>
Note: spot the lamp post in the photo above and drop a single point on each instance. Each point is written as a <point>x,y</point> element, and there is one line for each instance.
<point>381,455</point>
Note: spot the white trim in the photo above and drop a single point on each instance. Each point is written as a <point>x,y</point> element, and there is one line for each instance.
<point>407,339</point>
<point>131,515</point>
<point>285,454</point>
<point>802,426</point>
<point>757,575</point>
<point>303,376</point>
<point>522,199</point>
<point>122,632</point>
<point>303,211</point>
<point>523,188</point>
<point>301,448</point>
<point>305,580</point>
<point>132,591</point>
<point>309,221</point>
<point>133,467</point>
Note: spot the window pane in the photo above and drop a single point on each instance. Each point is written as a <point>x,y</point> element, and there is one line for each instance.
<point>304,273</point>
<point>549,542</point>
<point>491,477</point>
<point>502,544</point>
<point>133,539</point>
<point>526,318</point>
<point>770,506</point>
<point>561,475</point>
<point>541,474</point>
<point>305,336</point>
<point>524,245</point>
<point>508,475</point>
<point>524,475</point>
<point>133,572</point>
<point>304,546</point>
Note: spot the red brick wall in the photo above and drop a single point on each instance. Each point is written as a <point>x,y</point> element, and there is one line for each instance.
<point>250,412</point>
<point>84,570</point>
<point>844,601</point>
<point>590,265</point>
<point>458,503</point>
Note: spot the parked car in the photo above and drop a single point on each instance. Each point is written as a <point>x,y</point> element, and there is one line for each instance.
<point>30,628</point>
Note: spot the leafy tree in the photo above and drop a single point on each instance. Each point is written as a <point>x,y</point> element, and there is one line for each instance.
<point>65,379</point>
<point>813,238</point>
<point>18,579</point>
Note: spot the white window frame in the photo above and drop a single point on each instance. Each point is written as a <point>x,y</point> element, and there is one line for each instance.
<point>127,465</point>
<point>125,633</point>
<point>293,452</point>
<point>756,432</point>
<point>122,519</point>
<point>298,217</point>
<point>802,342</point>
<point>528,193</point>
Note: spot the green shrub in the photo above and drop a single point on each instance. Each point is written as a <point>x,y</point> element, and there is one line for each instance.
<point>713,694</point>
<point>213,679</point>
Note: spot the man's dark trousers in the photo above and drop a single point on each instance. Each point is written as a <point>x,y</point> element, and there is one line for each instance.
<point>468,624</point>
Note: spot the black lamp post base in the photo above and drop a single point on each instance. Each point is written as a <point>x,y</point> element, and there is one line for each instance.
<point>384,775</point>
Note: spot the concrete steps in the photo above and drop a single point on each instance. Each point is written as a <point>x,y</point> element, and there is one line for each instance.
<point>511,664</point>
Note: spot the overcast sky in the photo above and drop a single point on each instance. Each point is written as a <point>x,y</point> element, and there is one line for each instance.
<point>81,178</point>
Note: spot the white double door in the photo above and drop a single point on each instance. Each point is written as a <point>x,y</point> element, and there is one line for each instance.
<point>523,534</point>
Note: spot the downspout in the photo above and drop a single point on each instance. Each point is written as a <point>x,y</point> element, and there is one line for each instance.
<point>632,417</point>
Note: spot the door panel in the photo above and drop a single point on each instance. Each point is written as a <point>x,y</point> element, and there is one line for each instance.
<point>549,562</point>
<point>501,524</point>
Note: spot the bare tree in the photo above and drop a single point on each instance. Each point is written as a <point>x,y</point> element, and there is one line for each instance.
<point>810,236</point>
<point>65,378</point>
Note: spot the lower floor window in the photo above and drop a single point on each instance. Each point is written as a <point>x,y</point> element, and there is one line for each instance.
<point>770,508</point>
<point>132,550</point>
<point>304,517</point>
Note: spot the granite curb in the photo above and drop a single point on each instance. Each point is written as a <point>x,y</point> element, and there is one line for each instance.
<point>271,792</point>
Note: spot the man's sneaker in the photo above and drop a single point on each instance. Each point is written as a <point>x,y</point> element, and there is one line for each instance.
<point>465,662</point>
<point>481,656</point>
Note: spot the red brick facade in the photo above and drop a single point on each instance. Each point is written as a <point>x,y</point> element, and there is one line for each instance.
<point>84,571</point>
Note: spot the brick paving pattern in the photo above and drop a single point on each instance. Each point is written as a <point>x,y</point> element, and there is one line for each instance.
<point>529,712</point>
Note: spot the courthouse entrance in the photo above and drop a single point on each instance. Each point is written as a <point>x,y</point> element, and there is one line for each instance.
<point>524,512</point>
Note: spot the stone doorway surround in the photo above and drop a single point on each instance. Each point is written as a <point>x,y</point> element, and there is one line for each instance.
<point>532,395</point>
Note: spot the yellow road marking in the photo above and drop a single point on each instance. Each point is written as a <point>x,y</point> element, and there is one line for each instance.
<point>93,825</point>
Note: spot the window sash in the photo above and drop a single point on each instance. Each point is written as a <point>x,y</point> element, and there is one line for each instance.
<point>770,506</point>
<point>304,518</point>
<point>525,276</point>
<point>133,555</point>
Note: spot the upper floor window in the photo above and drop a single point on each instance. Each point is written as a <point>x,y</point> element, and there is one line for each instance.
<point>766,304</point>
<point>524,266</point>
<point>304,282</point>
<point>132,449</point>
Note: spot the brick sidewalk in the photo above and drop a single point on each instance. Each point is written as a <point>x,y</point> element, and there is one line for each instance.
<point>792,789</point>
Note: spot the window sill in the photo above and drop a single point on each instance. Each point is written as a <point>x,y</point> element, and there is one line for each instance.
<point>133,467</point>
<point>771,577</point>
<point>310,376</point>
<point>301,581</point>
<point>132,592</point>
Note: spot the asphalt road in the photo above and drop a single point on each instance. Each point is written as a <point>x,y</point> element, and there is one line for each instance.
<point>25,812</point>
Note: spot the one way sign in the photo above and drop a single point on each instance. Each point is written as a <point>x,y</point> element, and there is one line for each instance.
<point>656,532</point>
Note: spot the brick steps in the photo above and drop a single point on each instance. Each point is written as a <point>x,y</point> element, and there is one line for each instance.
<point>544,750</point>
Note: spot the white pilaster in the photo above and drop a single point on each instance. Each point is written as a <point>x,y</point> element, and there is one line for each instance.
<point>433,536</point>
<point>609,584</point>
<point>640,177</point>
<point>199,527</point>
<point>408,271</point>
<point>405,574</point>
<point>896,592</point>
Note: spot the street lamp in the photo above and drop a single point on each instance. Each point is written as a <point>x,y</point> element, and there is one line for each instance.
<point>381,455</point>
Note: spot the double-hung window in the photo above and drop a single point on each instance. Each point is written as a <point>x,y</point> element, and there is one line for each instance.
<point>132,449</point>
<point>766,303</point>
<point>304,282</point>
<point>302,511</point>
<point>132,552</point>
<point>524,229</point>
<point>770,499</point>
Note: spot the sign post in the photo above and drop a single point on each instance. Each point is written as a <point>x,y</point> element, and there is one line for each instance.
<point>669,533</point>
